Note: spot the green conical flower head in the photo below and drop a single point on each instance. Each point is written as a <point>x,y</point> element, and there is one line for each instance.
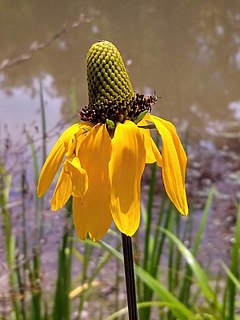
<point>111,95</point>
<point>108,80</point>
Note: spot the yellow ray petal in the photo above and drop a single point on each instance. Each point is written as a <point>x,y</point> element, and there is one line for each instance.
<point>92,212</point>
<point>73,180</point>
<point>126,168</point>
<point>174,163</point>
<point>62,191</point>
<point>152,152</point>
<point>177,143</point>
<point>54,160</point>
<point>56,155</point>
<point>78,176</point>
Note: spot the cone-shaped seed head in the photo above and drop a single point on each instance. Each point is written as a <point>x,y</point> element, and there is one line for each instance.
<point>107,77</point>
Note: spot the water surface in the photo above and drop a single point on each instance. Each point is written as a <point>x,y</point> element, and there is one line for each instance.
<point>188,52</point>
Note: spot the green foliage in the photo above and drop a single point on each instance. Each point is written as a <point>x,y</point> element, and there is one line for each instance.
<point>62,306</point>
<point>232,283</point>
<point>171,282</point>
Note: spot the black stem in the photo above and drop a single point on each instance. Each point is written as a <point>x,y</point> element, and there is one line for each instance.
<point>129,277</point>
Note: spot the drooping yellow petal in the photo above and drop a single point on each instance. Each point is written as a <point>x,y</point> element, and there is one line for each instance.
<point>92,212</point>
<point>73,181</point>
<point>64,145</point>
<point>62,191</point>
<point>126,168</point>
<point>177,143</point>
<point>174,163</point>
<point>152,152</point>
<point>54,159</point>
<point>79,177</point>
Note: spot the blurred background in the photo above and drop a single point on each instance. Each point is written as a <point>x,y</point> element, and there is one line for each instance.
<point>186,52</point>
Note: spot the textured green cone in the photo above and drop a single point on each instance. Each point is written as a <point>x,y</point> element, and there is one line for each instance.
<point>111,95</point>
<point>107,77</point>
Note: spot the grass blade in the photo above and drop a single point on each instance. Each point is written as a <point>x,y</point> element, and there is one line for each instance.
<point>233,278</point>
<point>184,294</point>
<point>230,293</point>
<point>201,277</point>
<point>61,309</point>
<point>177,308</point>
<point>203,221</point>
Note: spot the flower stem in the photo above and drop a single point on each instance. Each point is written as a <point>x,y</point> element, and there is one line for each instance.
<point>129,277</point>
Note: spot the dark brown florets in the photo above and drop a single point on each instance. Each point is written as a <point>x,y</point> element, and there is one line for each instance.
<point>99,113</point>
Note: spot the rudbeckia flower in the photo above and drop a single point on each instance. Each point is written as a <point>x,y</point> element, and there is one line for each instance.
<point>104,155</point>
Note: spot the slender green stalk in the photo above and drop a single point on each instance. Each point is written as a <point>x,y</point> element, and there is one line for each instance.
<point>43,116</point>
<point>61,310</point>
<point>36,176</point>
<point>8,235</point>
<point>36,296</point>
<point>144,313</point>
<point>21,286</point>
<point>184,294</point>
<point>44,147</point>
<point>230,294</point>
<point>129,277</point>
<point>24,227</point>
<point>87,255</point>
<point>159,240</point>
<point>202,225</point>
<point>149,217</point>
<point>117,280</point>
<point>170,257</point>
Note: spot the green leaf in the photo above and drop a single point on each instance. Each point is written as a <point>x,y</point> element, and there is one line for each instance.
<point>177,308</point>
<point>140,116</point>
<point>201,277</point>
<point>234,279</point>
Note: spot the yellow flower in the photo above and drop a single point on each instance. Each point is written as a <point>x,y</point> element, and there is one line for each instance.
<point>105,154</point>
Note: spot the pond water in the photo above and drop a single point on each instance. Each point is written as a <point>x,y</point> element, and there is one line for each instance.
<point>187,52</point>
